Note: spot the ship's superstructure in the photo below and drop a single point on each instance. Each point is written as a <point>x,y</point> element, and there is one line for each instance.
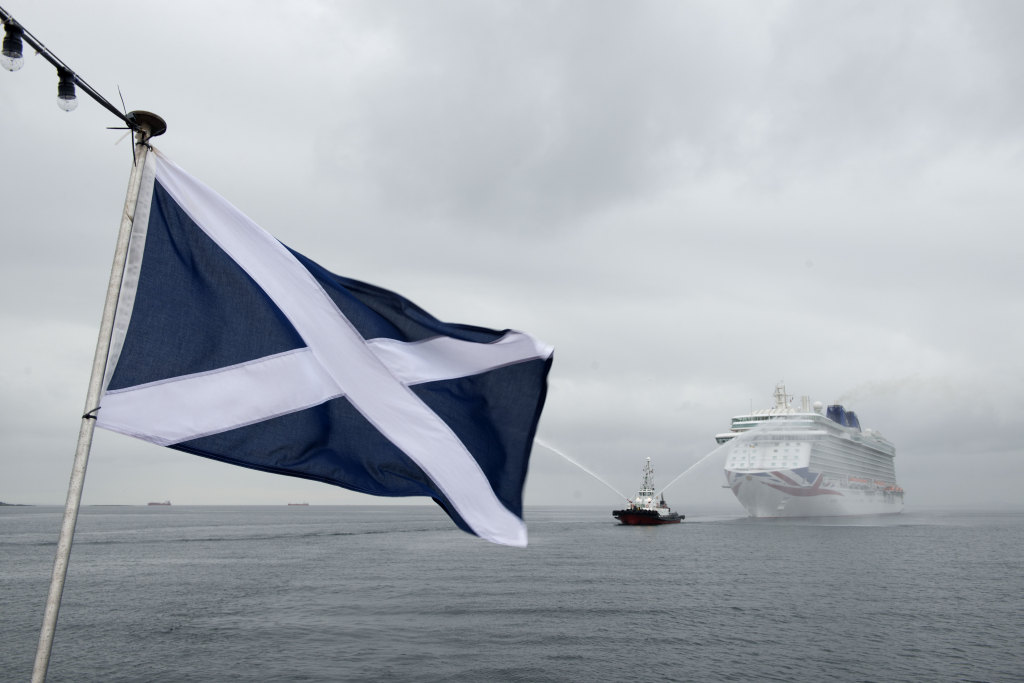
<point>801,462</point>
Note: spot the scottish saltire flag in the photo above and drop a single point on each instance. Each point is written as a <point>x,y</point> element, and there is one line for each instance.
<point>229,345</point>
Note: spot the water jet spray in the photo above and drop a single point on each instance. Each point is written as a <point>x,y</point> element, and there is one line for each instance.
<point>558,452</point>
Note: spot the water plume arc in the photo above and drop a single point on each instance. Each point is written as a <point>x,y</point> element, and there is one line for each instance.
<point>558,452</point>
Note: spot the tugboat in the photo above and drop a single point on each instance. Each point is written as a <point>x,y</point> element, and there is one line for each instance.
<point>645,509</point>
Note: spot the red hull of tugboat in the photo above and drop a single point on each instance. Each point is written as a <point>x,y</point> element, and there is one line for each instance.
<point>645,518</point>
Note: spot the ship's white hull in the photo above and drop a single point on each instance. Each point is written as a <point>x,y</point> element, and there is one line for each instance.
<point>802,493</point>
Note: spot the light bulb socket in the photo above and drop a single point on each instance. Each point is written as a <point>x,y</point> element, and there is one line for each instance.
<point>65,85</point>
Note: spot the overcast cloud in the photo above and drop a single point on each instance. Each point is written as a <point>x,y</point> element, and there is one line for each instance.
<point>690,201</point>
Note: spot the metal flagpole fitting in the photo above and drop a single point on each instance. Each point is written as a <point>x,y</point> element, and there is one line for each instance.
<point>146,125</point>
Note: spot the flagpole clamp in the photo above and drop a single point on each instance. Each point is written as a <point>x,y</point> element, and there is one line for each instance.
<point>146,124</point>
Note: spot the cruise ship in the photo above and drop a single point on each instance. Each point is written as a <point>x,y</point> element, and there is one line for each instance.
<point>788,462</point>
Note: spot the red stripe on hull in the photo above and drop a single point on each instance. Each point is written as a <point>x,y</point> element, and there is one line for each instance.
<point>635,519</point>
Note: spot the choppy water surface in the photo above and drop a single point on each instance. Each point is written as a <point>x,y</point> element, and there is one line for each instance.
<point>397,593</point>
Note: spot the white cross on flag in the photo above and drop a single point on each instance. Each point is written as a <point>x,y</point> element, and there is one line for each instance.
<point>231,346</point>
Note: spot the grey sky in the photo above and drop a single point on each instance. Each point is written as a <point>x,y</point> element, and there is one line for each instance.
<point>690,201</point>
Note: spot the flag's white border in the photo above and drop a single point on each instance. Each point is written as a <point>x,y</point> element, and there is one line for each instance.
<point>374,375</point>
<point>132,268</point>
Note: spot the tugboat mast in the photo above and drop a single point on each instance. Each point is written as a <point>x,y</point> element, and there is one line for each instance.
<point>646,493</point>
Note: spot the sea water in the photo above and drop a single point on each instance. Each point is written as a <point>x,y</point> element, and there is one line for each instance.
<point>397,593</point>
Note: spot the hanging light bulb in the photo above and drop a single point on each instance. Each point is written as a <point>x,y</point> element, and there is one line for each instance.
<point>11,58</point>
<point>66,98</point>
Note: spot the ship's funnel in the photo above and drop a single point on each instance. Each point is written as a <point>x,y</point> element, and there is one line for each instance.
<point>837,414</point>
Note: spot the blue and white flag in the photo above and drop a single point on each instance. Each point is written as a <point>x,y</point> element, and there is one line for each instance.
<point>229,345</point>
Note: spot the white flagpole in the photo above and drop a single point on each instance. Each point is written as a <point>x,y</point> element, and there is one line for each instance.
<point>148,125</point>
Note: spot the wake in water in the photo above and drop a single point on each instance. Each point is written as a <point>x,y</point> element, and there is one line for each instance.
<point>558,452</point>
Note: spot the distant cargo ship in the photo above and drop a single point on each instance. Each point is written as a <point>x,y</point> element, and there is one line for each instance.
<point>645,509</point>
<point>300,504</point>
<point>802,463</point>
<point>164,502</point>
